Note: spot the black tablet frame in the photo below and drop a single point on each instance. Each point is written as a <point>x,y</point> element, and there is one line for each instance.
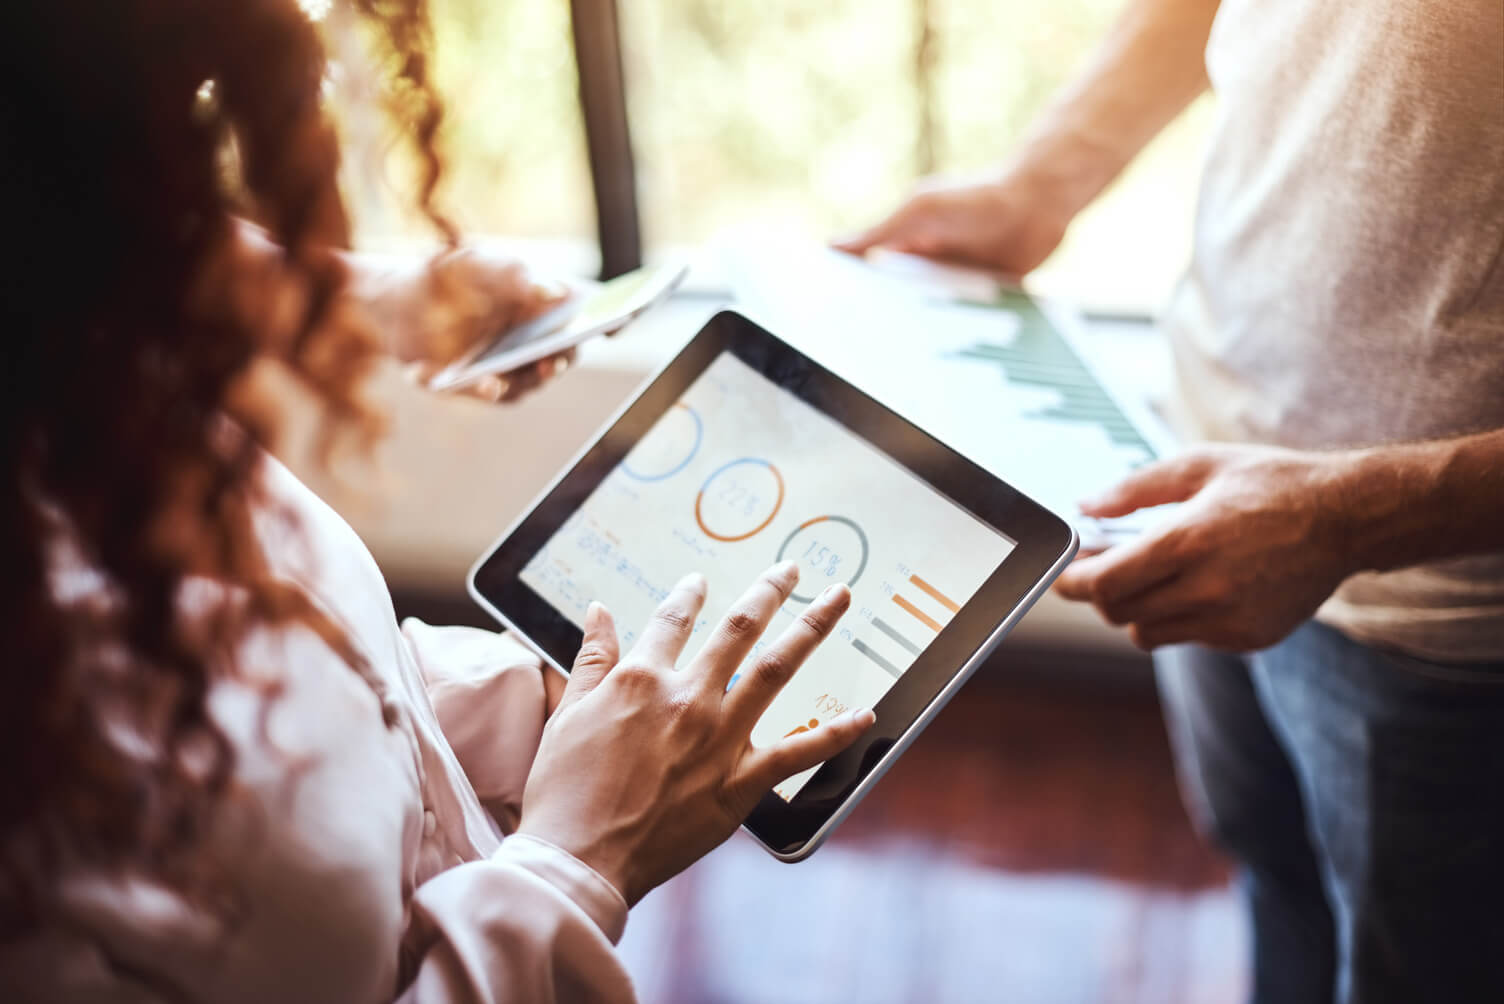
<point>1044,544</point>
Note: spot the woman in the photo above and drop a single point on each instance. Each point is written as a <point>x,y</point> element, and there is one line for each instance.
<point>228,773</point>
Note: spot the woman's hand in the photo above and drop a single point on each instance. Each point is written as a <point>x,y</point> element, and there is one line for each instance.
<point>433,311</point>
<point>643,769</point>
<point>1008,225</point>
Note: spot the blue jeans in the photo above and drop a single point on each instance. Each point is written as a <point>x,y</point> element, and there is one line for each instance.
<point>1361,794</point>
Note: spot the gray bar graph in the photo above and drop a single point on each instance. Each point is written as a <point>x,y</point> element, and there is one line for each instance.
<point>856,643</point>
<point>892,632</point>
<point>1040,357</point>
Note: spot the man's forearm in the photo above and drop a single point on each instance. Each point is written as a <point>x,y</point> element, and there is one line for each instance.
<point>1404,505</point>
<point>1150,66</point>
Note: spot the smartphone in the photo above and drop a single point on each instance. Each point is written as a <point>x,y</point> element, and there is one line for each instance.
<point>590,309</point>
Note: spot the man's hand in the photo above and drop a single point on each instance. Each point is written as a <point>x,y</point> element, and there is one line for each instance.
<point>1009,225</point>
<point>1260,543</point>
<point>1148,67</point>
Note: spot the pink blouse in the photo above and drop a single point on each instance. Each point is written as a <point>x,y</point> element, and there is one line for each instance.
<point>365,862</point>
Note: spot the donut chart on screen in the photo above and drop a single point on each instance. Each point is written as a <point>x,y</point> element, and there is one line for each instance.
<point>669,448</point>
<point>739,471</point>
<point>739,499</point>
<point>829,549</point>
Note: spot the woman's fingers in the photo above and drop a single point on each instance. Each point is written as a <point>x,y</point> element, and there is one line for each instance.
<point>599,653</point>
<point>490,388</point>
<point>421,372</point>
<point>539,297</point>
<point>744,623</point>
<point>776,665</point>
<point>554,685</point>
<point>499,290</point>
<point>671,624</point>
<point>524,381</point>
<point>771,764</point>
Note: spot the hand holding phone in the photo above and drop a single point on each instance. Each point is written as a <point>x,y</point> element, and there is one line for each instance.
<point>592,308</point>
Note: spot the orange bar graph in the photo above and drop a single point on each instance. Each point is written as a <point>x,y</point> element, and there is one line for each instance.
<point>941,598</point>
<point>923,617</point>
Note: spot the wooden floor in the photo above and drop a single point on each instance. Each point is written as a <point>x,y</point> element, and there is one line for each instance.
<point>1030,848</point>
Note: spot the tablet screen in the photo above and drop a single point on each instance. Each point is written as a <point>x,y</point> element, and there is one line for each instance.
<point>741,473</point>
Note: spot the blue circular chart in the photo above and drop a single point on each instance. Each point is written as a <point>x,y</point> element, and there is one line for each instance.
<point>669,447</point>
<point>829,549</point>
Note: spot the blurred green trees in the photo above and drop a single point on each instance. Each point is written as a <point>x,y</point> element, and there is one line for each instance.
<point>809,115</point>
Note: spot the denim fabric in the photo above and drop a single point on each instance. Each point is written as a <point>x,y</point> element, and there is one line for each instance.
<point>1361,793</point>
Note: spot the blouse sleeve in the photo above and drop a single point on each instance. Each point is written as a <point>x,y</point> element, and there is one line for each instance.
<point>531,923</point>
<point>487,691</point>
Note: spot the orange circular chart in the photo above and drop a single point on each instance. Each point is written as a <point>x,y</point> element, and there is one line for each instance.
<point>739,499</point>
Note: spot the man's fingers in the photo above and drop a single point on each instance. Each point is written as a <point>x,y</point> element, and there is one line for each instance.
<point>745,622</point>
<point>1181,596</point>
<point>1123,571</point>
<point>777,664</point>
<point>895,228</point>
<point>861,243</point>
<point>671,624</point>
<point>787,757</point>
<point>1211,630</point>
<point>1173,480</point>
<point>599,653</point>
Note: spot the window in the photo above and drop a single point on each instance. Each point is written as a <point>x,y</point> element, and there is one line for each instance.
<point>815,116</point>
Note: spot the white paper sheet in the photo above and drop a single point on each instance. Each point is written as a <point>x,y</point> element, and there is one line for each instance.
<point>1007,383</point>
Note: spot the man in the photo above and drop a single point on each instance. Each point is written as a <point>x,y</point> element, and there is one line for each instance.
<point>1330,596</point>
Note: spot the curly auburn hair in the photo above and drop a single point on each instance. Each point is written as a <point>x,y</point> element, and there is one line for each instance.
<point>123,338</point>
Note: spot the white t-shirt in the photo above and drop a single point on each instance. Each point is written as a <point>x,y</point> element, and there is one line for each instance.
<point>1347,283</point>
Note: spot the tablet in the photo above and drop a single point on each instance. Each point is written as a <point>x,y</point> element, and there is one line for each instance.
<point>742,452</point>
